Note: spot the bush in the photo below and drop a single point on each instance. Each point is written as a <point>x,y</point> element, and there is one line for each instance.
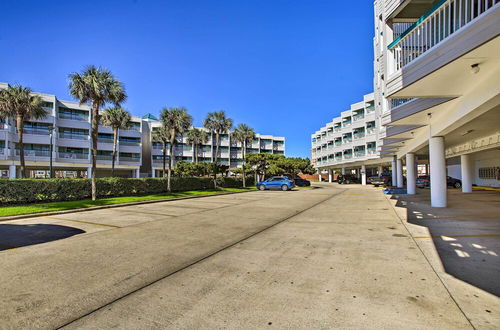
<point>23,191</point>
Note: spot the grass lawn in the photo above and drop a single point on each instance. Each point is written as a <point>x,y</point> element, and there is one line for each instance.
<point>60,206</point>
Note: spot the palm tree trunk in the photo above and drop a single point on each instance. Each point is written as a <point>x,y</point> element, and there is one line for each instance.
<point>243,166</point>
<point>95,128</point>
<point>194,154</point>
<point>216,158</point>
<point>20,133</point>
<point>115,141</point>
<point>164,159</point>
<point>170,163</point>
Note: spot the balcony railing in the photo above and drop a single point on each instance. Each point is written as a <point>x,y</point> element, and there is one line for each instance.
<point>398,102</point>
<point>441,21</point>
<point>347,156</point>
<point>34,153</point>
<point>370,130</point>
<point>104,157</point>
<point>130,159</point>
<point>347,140</point>
<point>101,140</point>
<point>346,123</point>
<point>73,136</point>
<point>337,129</point>
<point>72,155</point>
<point>73,117</point>
<point>359,135</point>
<point>358,117</point>
<point>338,143</point>
<point>133,144</point>
<point>371,151</point>
<point>36,131</point>
<point>359,153</point>
<point>2,150</point>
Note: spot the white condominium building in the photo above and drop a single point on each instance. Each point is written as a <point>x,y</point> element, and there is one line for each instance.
<point>437,79</point>
<point>230,151</point>
<point>67,128</point>
<point>349,142</point>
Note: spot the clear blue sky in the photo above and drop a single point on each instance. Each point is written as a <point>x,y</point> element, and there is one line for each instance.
<point>283,67</point>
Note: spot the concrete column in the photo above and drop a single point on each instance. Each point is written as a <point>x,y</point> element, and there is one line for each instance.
<point>319,176</point>
<point>137,173</point>
<point>399,172</point>
<point>467,173</point>
<point>153,173</point>
<point>89,172</point>
<point>343,170</point>
<point>330,175</point>
<point>393,172</point>
<point>438,171</point>
<point>380,169</point>
<point>363,175</point>
<point>12,172</point>
<point>411,174</point>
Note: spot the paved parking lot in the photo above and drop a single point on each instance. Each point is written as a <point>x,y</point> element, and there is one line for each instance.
<point>336,256</point>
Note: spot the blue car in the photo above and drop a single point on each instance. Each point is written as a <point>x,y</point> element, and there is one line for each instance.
<point>276,182</point>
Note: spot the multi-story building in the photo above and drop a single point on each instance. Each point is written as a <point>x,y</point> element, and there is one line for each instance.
<point>67,128</point>
<point>350,142</point>
<point>230,151</point>
<point>437,83</point>
<point>436,92</point>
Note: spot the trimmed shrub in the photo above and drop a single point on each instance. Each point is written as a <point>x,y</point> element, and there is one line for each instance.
<point>23,191</point>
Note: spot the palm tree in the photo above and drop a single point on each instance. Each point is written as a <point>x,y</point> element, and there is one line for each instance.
<point>21,104</point>
<point>243,134</point>
<point>97,86</point>
<point>116,118</point>
<point>197,137</point>
<point>217,123</point>
<point>176,121</point>
<point>162,134</point>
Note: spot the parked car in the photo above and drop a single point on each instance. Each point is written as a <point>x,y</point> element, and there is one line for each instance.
<point>425,181</point>
<point>276,182</point>
<point>347,179</point>
<point>299,182</point>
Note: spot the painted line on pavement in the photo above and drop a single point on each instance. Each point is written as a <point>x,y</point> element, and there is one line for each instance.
<point>456,236</point>
<point>81,221</point>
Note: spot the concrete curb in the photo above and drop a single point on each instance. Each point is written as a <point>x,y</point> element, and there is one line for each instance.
<point>41,214</point>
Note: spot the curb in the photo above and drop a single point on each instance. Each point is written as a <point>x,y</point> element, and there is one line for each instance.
<point>92,208</point>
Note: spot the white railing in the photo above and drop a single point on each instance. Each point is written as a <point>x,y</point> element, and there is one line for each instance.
<point>358,117</point>
<point>398,102</point>
<point>359,135</point>
<point>73,136</point>
<point>358,154</point>
<point>72,155</point>
<point>444,19</point>
<point>34,153</point>
<point>347,156</point>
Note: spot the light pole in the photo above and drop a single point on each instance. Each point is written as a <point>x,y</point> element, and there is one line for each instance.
<point>51,133</point>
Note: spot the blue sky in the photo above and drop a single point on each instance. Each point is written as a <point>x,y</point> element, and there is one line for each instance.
<point>283,67</point>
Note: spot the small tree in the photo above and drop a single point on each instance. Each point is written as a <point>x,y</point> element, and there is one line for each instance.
<point>243,134</point>
<point>177,121</point>
<point>261,163</point>
<point>197,137</point>
<point>99,87</point>
<point>21,104</point>
<point>116,118</point>
<point>162,134</point>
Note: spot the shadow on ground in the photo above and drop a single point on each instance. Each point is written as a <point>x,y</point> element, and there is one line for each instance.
<point>466,235</point>
<point>14,236</point>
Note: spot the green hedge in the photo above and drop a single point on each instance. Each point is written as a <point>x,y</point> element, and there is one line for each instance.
<point>22,191</point>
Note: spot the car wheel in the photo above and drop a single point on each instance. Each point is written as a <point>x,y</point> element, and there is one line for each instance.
<point>457,185</point>
<point>262,187</point>
<point>284,187</point>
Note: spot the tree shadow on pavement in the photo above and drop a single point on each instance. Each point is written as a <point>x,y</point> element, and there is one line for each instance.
<point>14,236</point>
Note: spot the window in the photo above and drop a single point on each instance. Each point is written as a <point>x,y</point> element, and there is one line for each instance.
<point>73,114</point>
<point>491,173</point>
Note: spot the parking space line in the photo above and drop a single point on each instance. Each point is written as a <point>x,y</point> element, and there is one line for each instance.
<point>82,221</point>
<point>456,236</point>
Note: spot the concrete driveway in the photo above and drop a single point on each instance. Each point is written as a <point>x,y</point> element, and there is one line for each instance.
<point>318,258</point>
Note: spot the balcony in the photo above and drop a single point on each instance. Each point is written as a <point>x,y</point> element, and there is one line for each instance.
<point>359,135</point>
<point>36,131</point>
<point>73,156</point>
<point>347,156</point>
<point>337,128</point>
<point>73,116</point>
<point>358,116</point>
<point>371,150</point>
<point>359,153</point>
<point>34,153</point>
<point>73,136</point>
<point>130,159</point>
<point>105,157</point>
<point>347,140</point>
<point>450,30</point>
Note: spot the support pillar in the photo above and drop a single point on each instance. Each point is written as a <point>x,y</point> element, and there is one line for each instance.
<point>137,173</point>
<point>343,170</point>
<point>89,172</point>
<point>399,172</point>
<point>380,170</point>
<point>12,172</point>
<point>319,176</point>
<point>467,169</point>
<point>363,175</point>
<point>411,174</point>
<point>330,175</point>
<point>393,172</point>
<point>153,173</point>
<point>438,171</point>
